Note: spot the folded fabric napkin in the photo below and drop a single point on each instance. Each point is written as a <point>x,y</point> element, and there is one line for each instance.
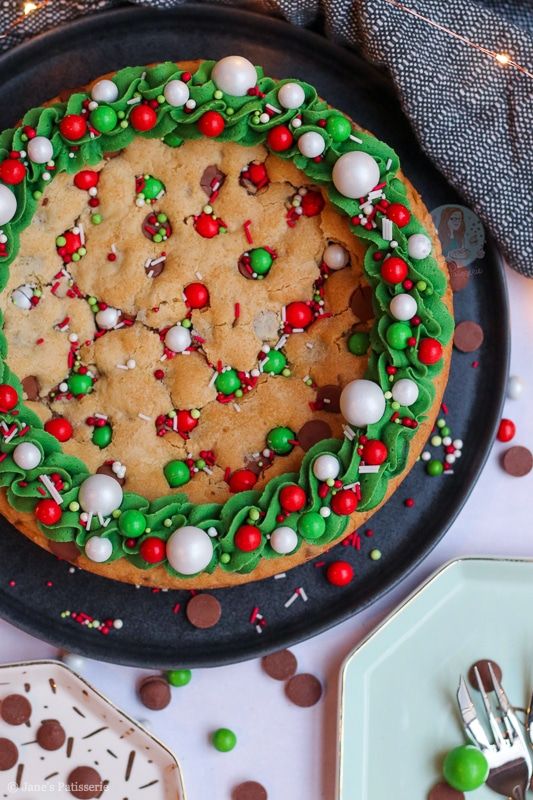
<point>472,115</point>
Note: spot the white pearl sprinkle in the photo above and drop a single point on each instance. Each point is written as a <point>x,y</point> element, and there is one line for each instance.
<point>190,103</point>
<point>447,441</point>
<point>264,118</point>
<point>63,387</point>
<point>450,459</point>
<point>118,624</point>
<point>131,363</point>
<point>296,123</point>
<point>458,444</point>
<point>426,456</point>
<point>93,191</point>
<point>92,105</point>
<point>73,337</point>
<point>46,176</point>
<point>325,511</point>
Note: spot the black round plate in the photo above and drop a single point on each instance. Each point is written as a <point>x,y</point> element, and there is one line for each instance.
<point>155,633</point>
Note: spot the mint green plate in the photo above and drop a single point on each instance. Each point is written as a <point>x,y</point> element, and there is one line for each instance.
<point>398,714</point>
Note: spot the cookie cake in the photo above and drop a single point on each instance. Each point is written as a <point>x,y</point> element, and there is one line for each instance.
<point>226,324</point>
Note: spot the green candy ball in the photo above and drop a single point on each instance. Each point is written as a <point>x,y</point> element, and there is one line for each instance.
<point>228,382</point>
<point>152,187</point>
<point>104,119</point>
<point>465,768</point>
<point>260,260</point>
<point>434,467</point>
<point>278,439</point>
<point>397,335</point>
<point>79,384</point>
<point>179,677</point>
<point>358,343</point>
<point>177,473</point>
<point>311,525</point>
<point>102,436</point>
<point>132,523</point>
<point>224,740</point>
<point>339,128</point>
<point>275,362</point>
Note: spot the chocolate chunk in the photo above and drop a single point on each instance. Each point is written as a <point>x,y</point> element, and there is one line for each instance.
<point>15,709</point>
<point>468,336</point>
<point>154,692</point>
<point>203,611</point>
<point>328,398</point>
<point>154,270</point>
<point>9,755</point>
<point>244,268</point>
<point>31,387</point>
<point>68,551</point>
<point>484,674</point>
<point>85,783</point>
<point>517,461</point>
<point>113,154</point>
<point>281,665</point>
<point>106,469</point>
<point>51,735</point>
<point>304,690</point>
<point>313,431</point>
<point>212,175</point>
<point>361,303</point>
<point>459,276</point>
<point>249,790</point>
<point>443,791</point>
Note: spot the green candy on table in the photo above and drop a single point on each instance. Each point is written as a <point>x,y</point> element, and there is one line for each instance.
<point>397,335</point>
<point>104,119</point>
<point>224,740</point>
<point>279,440</point>
<point>79,384</point>
<point>177,473</point>
<point>102,436</point>
<point>228,382</point>
<point>275,362</point>
<point>132,523</point>
<point>260,260</point>
<point>358,343</point>
<point>465,768</point>
<point>179,677</point>
<point>434,467</point>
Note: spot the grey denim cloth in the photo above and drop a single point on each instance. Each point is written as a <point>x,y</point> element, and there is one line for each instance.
<point>473,117</point>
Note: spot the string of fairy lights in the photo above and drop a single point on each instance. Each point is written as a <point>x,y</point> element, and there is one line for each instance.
<point>502,58</point>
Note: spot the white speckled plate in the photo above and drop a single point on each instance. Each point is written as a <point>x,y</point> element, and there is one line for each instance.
<point>136,766</point>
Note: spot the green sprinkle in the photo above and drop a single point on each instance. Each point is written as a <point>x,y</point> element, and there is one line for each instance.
<point>186,323</point>
<point>76,256</point>
<point>96,219</point>
<point>116,513</point>
<point>162,217</point>
<point>60,241</point>
<point>445,431</point>
<point>441,423</point>
<point>286,372</point>
<point>37,194</point>
<point>225,558</point>
<point>74,506</point>
<point>436,441</point>
<point>421,286</point>
<point>238,393</point>
<point>218,95</point>
<point>160,98</point>
<point>124,123</point>
<point>434,467</point>
<point>195,414</point>
<point>82,251</point>
<point>254,514</point>
<point>200,464</point>
<point>230,111</point>
<point>167,522</point>
<point>121,114</point>
<point>172,413</point>
<point>395,405</point>
<point>375,555</point>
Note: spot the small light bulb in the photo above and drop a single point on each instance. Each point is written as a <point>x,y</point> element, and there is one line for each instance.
<point>29,7</point>
<point>502,58</point>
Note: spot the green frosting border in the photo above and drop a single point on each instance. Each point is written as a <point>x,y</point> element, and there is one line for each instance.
<point>261,508</point>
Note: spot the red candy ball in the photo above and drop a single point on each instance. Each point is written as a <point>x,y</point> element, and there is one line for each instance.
<point>143,118</point>
<point>399,214</point>
<point>429,351</point>
<point>344,502</point>
<point>60,428</point>
<point>339,573</point>
<point>206,226</point>
<point>247,538</point>
<point>197,295</point>
<point>211,124</point>
<point>312,204</point>
<point>298,315</point>
<point>8,397</point>
<point>257,173</point>
<point>73,127</point>
<point>279,138</point>
<point>153,550</point>
<point>292,498</point>
<point>186,423</point>
<point>48,512</point>
<point>394,270</point>
<point>12,171</point>
<point>86,179</point>
<point>374,452</point>
<point>242,479</point>
<point>506,430</point>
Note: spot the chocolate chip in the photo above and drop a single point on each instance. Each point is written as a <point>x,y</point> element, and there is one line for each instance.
<point>313,431</point>
<point>15,709</point>
<point>109,154</point>
<point>281,665</point>
<point>31,387</point>
<point>68,551</point>
<point>443,791</point>
<point>154,692</point>
<point>154,270</point>
<point>459,276</point>
<point>328,398</point>
<point>468,336</point>
<point>304,690</point>
<point>9,754</point>
<point>244,268</point>
<point>51,735</point>
<point>249,790</point>
<point>212,175</point>
<point>484,674</point>
<point>106,469</point>
<point>85,783</point>
<point>517,461</point>
<point>361,303</point>
<point>203,611</point>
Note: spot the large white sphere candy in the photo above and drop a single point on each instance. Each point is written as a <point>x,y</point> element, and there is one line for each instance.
<point>21,296</point>
<point>8,204</point>
<point>189,550</point>
<point>355,174</point>
<point>325,467</point>
<point>291,95</point>
<point>176,93</point>
<point>311,144</point>
<point>234,75</point>
<point>405,392</point>
<point>362,402</point>
<point>515,387</point>
<point>100,494</point>
<point>104,91</point>
<point>73,660</point>
<point>107,318</point>
<point>40,150</point>
<point>335,256</point>
<point>98,549</point>
<point>178,339</point>
<point>27,455</point>
<point>283,540</point>
<point>403,306</point>
<point>419,246</point>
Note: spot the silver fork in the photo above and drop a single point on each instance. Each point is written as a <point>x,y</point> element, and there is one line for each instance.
<point>506,749</point>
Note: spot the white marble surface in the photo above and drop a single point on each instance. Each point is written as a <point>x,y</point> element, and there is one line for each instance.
<point>291,750</point>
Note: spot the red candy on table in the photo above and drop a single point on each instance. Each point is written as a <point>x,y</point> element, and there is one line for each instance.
<point>211,124</point>
<point>60,428</point>
<point>153,550</point>
<point>247,538</point>
<point>48,512</point>
<point>292,498</point>
<point>506,430</point>
<point>394,270</point>
<point>339,573</point>
<point>279,138</point>
<point>143,117</point>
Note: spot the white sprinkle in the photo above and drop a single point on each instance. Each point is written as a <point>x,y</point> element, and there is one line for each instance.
<point>458,453</point>
<point>63,387</point>
<point>280,575</point>
<point>369,468</point>
<point>306,378</point>
<point>163,357</point>
<point>100,416</point>
<point>143,76</point>
<point>122,366</point>
<point>326,400</point>
<point>375,193</point>
<point>144,416</point>
<point>273,108</point>
<point>120,325</point>
<point>160,194</point>
<point>113,248</point>
<point>133,101</point>
<point>131,363</point>
<point>259,629</point>
<point>356,139</point>
<point>150,274</point>
<point>388,165</point>
<point>296,123</point>
<point>350,486</point>
<point>82,234</point>
<point>214,376</point>
<point>283,314</point>
<point>297,330</point>
<point>93,191</point>
<point>208,471</point>
<point>447,440</point>
<point>448,472</point>
<point>458,444</point>
<point>309,345</point>
<point>291,599</point>
<point>54,494</point>
<point>301,592</point>
<point>386,228</point>
<point>175,423</point>
<point>212,531</point>
<point>198,275</point>
<point>73,337</point>
<point>158,260</point>
<point>237,407</point>
<point>117,624</point>
<point>349,434</point>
